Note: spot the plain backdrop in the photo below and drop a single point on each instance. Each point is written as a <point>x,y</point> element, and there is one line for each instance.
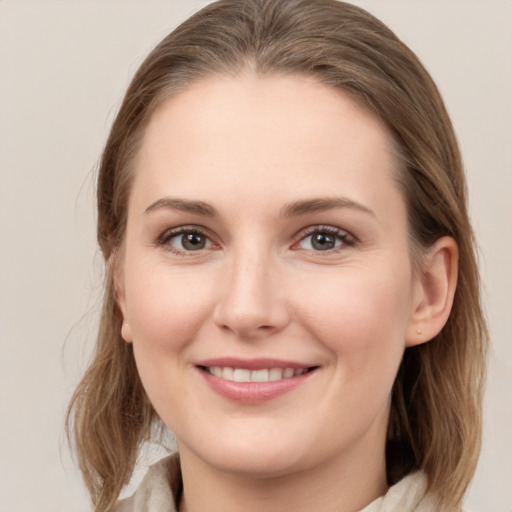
<point>64,66</point>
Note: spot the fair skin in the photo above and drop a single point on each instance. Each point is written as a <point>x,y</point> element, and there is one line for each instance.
<point>266,231</point>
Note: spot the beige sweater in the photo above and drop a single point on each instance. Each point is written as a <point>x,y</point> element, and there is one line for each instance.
<point>161,488</point>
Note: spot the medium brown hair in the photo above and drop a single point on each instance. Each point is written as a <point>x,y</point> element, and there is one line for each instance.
<point>435,421</point>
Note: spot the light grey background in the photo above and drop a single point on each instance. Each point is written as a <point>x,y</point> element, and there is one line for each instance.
<point>64,66</point>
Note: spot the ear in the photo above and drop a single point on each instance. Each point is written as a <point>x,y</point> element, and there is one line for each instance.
<point>119,293</point>
<point>434,290</point>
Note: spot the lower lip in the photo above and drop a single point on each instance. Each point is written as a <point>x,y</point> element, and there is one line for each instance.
<point>253,392</point>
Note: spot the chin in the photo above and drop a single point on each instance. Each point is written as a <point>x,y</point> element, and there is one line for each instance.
<point>267,459</point>
<point>260,465</point>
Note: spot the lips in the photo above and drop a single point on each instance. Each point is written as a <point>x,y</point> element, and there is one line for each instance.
<point>253,381</point>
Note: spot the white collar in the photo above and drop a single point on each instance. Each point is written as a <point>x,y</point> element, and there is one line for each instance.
<point>160,491</point>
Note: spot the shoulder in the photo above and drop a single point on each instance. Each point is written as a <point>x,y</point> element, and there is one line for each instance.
<point>405,496</point>
<point>408,495</point>
<point>159,491</point>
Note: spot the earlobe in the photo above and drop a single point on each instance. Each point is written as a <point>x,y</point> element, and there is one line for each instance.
<point>435,290</point>
<point>126,331</point>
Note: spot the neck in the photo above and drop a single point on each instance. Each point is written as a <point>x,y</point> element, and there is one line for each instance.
<point>342,484</point>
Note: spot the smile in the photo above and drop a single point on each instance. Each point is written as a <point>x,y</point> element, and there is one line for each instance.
<point>260,375</point>
<point>250,382</point>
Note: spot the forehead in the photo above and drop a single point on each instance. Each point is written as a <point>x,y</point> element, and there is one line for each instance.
<point>274,135</point>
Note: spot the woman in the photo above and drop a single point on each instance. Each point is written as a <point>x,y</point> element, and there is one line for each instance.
<point>291,278</point>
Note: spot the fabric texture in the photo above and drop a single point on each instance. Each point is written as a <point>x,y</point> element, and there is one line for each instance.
<point>161,488</point>
<point>159,491</point>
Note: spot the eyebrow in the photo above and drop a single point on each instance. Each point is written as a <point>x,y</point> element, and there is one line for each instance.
<point>184,205</point>
<point>305,207</point>
<point>294,209</point>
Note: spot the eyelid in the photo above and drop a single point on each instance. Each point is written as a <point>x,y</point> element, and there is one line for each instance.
<point>346,237</point>
<point>163,239</point>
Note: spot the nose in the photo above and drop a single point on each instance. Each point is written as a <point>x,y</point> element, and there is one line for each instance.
<point>252,303</point>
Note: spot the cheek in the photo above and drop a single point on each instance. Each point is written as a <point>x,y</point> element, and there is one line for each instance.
<point>165,308</point>
<point>360,316</point>
<point>361,320</point>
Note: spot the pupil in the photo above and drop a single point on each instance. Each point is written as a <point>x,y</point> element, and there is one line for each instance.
<point>193,241</point>
<point>323,242</point>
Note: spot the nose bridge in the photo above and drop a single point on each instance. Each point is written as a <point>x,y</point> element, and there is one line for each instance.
<point>251,303</point>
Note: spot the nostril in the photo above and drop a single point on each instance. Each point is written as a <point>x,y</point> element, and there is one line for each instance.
<point>249,314</point>
<point>248,330</point>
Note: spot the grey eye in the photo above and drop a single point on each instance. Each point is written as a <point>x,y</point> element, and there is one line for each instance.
<point>191,241</point>
<point>323,240</point>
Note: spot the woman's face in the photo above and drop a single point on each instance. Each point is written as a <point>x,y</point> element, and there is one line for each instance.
<point>266,282</point>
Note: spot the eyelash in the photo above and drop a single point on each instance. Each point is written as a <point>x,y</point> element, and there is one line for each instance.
<point>168,235</point>
<point>347,240</point>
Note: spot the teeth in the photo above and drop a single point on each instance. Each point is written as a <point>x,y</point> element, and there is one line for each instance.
<point>259,376</point>
<point>227,373</point>
<point>240,375</point>
<point>289,372</point>
<point>275,374</point>
<point>264,375</point>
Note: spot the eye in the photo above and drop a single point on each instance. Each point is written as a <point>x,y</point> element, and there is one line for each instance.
<point>325,239</point>
<point>186,240</point>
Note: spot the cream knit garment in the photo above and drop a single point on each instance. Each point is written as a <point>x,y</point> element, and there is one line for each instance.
<point>160,487</point>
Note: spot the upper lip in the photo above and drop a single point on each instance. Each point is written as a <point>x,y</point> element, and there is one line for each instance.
<point>252,364</point>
